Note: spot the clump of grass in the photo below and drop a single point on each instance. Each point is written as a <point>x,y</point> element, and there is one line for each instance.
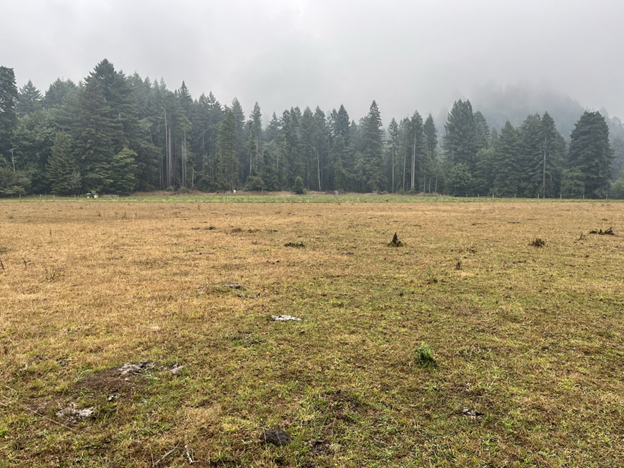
<point>424,356</point>
<point>537,243</point>
<point>298,245</point>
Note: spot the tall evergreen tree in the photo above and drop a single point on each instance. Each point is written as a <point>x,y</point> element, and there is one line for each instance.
<point>227,161</point>
<point>29,99</point>
<point>33,139</point>
<point>393,131</point>
<point>57,92</point>
<point>482,131</point>
<point>95,133</point>
<point>506,162</point>
<point>123,168</point>
<point>8,115</point>
<point>460,140</point>
<point>373,149</point>
<point>591,153</point>
<point>63,169</point>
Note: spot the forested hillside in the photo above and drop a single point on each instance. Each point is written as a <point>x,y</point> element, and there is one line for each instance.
<point>121,134</point>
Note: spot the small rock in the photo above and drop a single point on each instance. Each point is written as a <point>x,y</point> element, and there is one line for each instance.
<point>113,397</point>
<point>275,437</point>
<point>284,318</point>
<point>233,286</point>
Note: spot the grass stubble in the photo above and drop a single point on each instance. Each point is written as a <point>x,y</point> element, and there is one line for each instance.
<point>527,343</point>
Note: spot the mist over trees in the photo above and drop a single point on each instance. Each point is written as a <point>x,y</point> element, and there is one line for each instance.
<point>121,134</point>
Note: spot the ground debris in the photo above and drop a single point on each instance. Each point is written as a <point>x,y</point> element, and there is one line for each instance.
<point>537,243</point>
<point>472,414</point>
<point>233,286</point>
<point>284,318</point>
<point>606,232</point>
<point>395,242</point>
<point>135,368</point>
<point>74,414</point>
<point>297,245</point>
<point>176,368</point>
<point>276,437</point>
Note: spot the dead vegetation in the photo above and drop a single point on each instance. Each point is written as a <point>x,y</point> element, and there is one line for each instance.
<point>606,232</point>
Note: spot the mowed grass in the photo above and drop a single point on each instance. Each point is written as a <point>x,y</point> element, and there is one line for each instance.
<point>526,343</point>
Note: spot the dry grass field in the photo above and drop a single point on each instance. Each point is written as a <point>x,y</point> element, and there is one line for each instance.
<point>527,343</point>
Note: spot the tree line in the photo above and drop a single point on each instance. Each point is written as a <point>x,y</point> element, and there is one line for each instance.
<point>121,134</point>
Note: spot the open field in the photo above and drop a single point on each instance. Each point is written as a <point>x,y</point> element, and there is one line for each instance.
<point>528,341</point>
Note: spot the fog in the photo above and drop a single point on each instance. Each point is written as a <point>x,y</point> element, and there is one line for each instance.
<point>406,55</point>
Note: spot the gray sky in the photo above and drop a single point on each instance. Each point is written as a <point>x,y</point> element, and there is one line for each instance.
<point>406,55</point>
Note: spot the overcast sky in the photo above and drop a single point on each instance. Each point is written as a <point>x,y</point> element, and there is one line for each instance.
<point>407,55</point>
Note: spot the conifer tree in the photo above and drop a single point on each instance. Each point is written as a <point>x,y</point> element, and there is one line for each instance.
<point>505,162</point>
<point>57,92</point>
<point>227,161</point>
<point>63,169</point>
<point>94,137</point>
<point>8,115</point>
<point>123,168</point>
<point>393,131</point>
<point>373,150</point>
<point>591,153</point>
<point>29,99</point>
<point>460,140</point>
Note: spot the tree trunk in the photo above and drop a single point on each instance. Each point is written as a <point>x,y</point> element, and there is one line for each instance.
<point>183,183</point>
<point>413,185</point>
<point>544,172</point>
<point>318,169</point>
<point>404,167</point>
<point>392,189</point>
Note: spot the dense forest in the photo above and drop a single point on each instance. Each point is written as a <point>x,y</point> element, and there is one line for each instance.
<point>121,134</point>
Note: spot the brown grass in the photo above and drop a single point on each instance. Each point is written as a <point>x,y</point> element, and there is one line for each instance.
<point>531,338</point>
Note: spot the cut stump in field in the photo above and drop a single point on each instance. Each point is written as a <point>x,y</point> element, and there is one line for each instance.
<point>395,242</point>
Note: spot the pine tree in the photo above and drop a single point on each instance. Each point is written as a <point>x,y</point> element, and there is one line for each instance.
<point>591,153</point>
<point>8,115</point>
<point>241,139</point>
<point>29,99</point>
<point>33,139</point>
<point>94,137</point>
<point>420,163</point>
<point>505,162</point>
<point>373,150</point>
<point>63,169</point>
<point>227,162</point>
<point>57,92</point>
<point>431,135</point>
<point>460,140</point>
<point>482,131</point>
<point>118,98</point>
<point>393,131</point>
<point>554,149</point>
<point>309,133</point>
<point>123,168</point>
